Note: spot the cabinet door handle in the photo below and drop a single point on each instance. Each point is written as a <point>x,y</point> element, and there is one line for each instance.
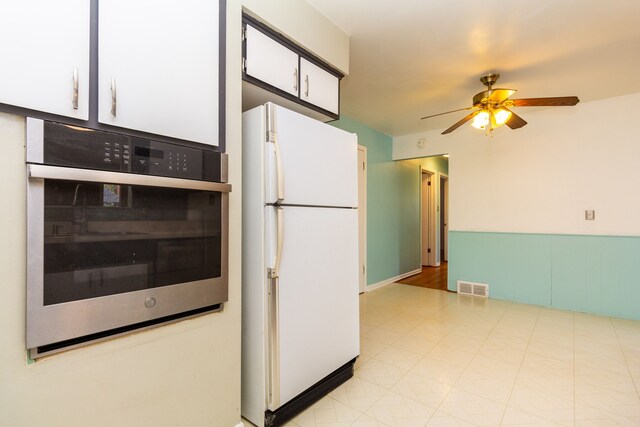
<point>74,100</point>
<point>306,81</point>
<point>113,97</point>
<point>295,79</point>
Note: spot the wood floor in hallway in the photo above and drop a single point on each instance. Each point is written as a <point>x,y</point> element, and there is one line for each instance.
<point>429,277</point>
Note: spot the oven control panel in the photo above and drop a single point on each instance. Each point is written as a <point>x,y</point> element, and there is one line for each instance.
<point>65,145</point>
<point>157,158</point>
<point>117,153</point>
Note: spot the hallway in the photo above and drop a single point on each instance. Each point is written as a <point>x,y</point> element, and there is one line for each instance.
<point>430,277</point>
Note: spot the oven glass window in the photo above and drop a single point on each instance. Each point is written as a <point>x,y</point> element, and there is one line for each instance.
<point>106,239</point>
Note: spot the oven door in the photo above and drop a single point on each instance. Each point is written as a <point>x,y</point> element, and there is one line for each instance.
<point>108,250</point>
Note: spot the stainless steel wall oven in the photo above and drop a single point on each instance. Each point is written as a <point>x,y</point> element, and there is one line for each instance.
<point>123,233</point>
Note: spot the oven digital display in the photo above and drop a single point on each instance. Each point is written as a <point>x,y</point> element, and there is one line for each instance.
<point>149,153</point>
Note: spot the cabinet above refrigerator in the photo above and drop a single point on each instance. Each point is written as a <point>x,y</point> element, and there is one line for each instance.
<point>278,70</point>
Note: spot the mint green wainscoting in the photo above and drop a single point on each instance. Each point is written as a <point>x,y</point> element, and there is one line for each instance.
<point>593,274</point>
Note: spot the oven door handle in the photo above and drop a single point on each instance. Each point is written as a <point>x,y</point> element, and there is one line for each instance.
<point>86,175</point>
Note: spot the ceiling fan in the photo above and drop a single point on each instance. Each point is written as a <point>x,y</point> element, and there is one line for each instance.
<point>492,107</point>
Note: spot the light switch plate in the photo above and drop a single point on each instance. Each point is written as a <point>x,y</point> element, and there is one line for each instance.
<point>590,214</point>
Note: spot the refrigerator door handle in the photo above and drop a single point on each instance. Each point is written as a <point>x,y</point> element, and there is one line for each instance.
<point>273,372</point>
<point>280,175</point>
<point>275,271</point>
<point>272,136</point>
<point>273,401</point>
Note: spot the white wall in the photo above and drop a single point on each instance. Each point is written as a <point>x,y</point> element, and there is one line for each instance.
<point>307,27</point>
<point>187,373</point>
<point>166,376</point>
<point>541,178</point>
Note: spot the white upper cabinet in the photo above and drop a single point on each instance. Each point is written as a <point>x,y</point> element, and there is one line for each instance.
<point>270,62</point>
<point>159,67</point>
<point>287,75</point>
<point>44,50</point>
<point>319,87</point>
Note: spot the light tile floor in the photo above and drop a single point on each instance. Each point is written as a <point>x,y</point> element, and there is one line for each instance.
<point>433,358</point>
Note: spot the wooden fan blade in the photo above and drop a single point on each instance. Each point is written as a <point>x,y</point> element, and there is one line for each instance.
<point>462,121</point>
<point>515,121</point>
<point>557,101</point>
<point>447,112</point>
<point>499,95</point>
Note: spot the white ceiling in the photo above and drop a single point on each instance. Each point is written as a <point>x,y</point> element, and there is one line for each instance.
<point>412,58</point>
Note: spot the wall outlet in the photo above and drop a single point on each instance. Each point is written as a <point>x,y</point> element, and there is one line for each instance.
<point>590,214</point>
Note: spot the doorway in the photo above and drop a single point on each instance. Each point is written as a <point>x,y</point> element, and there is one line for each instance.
<point>434,223</point>
<point>428,219</point>
<point>444,217</point>
<point>362,216</point>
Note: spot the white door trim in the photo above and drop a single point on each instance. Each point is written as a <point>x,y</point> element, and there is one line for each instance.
<point>424,218</point>
<point>445,218</point>
<point>432,215</point>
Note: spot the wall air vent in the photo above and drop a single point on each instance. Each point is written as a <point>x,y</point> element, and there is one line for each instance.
<point>473,289</point>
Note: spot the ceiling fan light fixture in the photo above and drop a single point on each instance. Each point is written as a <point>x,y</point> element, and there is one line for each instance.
<point>481,120</point>
<point>501,116</point>
<point>492,107</point>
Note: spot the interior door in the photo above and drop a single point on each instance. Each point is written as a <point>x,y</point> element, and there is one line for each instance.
<point>445,218</point>
<point>426,198</point>
<point>316,330</point>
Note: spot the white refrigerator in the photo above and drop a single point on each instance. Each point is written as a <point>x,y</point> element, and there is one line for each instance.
<point>300,321</point>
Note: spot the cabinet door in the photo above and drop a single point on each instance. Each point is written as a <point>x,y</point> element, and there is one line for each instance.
<point>318,87</point>
<point>44,43</point>
<point>159,66</point>
<point>269,61</point>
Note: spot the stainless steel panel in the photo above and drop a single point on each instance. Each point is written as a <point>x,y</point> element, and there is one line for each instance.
<point>35,250</point>
<point>86,175</point>
<point>224,167</point>
<point>34,353</point>
<point>59,322</point>
<point>35,139</point>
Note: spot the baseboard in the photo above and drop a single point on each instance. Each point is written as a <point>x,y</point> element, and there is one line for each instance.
<point>310,396</point>
<point>386,282</point>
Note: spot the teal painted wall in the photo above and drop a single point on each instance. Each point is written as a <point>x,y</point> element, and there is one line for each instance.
<point>433,163</point>
<point>393,206</point>
<point>592,274</point>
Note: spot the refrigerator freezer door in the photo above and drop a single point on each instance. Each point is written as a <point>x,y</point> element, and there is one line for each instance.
<point>318,162</point>
<point>316,326</point>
